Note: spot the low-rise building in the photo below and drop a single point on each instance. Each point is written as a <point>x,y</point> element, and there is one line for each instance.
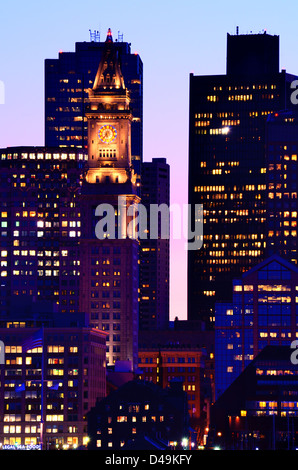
<point>264,311</point>
<point>184,356</point>
<point>50,378</point>
<point>259,410</point>
<point>136,412</point>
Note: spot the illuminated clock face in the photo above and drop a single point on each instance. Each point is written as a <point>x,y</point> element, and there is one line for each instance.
<point>107,134</point>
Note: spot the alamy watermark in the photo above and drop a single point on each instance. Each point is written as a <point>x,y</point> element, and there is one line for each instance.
<point>294,94</point>
<point>294,355</point>
<point>159,221</point>
<point>2,353</point>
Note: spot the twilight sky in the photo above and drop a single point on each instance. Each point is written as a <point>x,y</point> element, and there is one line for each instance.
<point>173,39</point>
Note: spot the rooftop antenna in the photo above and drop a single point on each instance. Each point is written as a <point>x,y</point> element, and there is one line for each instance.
<point>94,36</point>
<point>237,30</point>
<point>120,37</point>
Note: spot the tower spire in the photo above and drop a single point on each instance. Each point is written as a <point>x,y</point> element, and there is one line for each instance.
<point>109,36</point>
<point>109,73</point>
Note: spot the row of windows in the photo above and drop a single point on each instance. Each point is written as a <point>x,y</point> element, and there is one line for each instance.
<point>105,272</point>
<point>115,283</point>
<point>263,86</point>
<point>105,250</point>
<point>104,305</point>
<point>50,349</point>
<point>96,261</point>
<point>41,156</point>
<point>169,359</point>
<point>106,294</point>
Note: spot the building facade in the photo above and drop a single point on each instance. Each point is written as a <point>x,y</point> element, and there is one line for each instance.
<point>137,410</point>
<point>70,362</point>
<point>175,362</point>
<point>227,165</point>
<point>263,312</point>
<point>182,356</point>
<point>40,225</point>
<point>281,184</point>
<point>259,410</point>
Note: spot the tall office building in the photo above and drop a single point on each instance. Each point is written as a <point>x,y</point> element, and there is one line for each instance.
<point>40,226</point>
<point>264,310</point>
<point>227,165</point>
<point>154,252</point>
<point>109,259</point>
<point>282,177</point>
<point>67,80</point>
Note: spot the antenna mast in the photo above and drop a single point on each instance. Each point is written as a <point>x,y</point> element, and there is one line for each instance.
<point>94,36</point>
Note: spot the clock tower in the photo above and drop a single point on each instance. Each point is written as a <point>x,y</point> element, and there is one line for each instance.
<point>109,121</point>
<point>109,279</point>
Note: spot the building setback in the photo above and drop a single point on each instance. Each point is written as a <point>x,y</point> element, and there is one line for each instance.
<point>227,165</point>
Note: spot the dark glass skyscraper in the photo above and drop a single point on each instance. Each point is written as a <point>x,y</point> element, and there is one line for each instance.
<point>227,165</point>
<point>154,252</point>
<point>282,177</point>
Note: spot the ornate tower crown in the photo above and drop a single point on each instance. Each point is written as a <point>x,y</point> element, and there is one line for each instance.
<point>109,75</point>
<point>109,119</point>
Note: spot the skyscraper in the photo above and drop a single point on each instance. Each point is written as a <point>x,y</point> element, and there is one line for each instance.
<point>281,183</point>
<point>263,311</point>
<point>227,166</point>
<point>154,252</point>
<point>67,80</point>
<point>40,225</point>
<point>109,279</point>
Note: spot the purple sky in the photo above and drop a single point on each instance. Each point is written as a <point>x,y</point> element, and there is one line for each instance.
<point>173,38</point>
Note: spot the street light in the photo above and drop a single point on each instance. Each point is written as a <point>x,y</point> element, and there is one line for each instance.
<point>184,443</point>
